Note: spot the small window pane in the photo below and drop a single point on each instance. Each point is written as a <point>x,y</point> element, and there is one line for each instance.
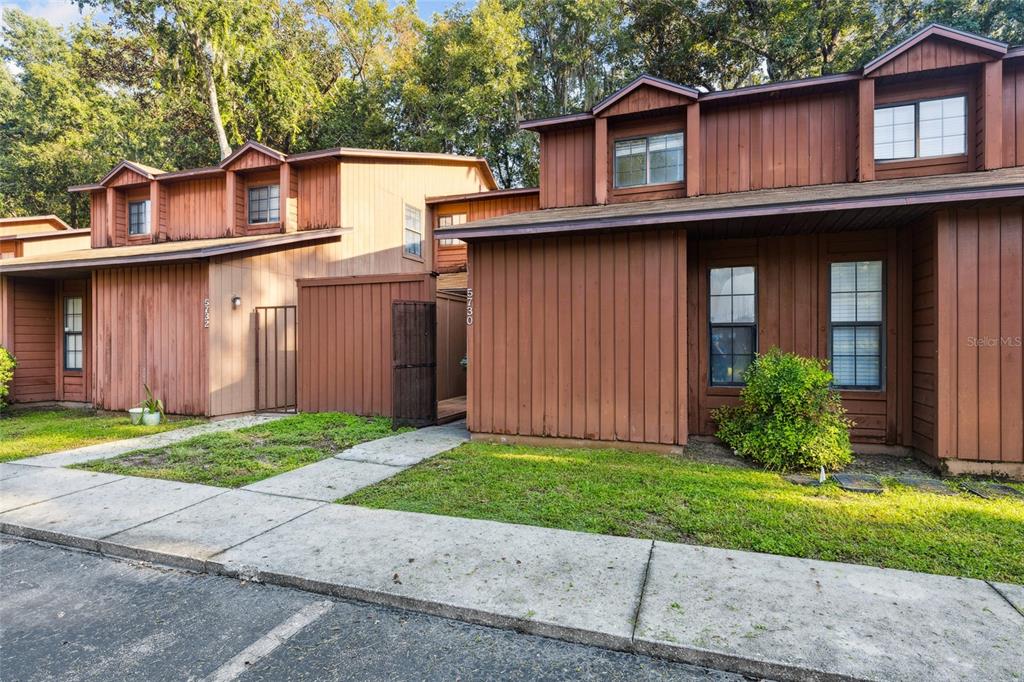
<point>743,340</point>
<point>869,307</point>
<point>903,150</point>
<point>721,281</point>
<point>743,280</point>
<point>844,370</point>
<point>743,308</point>
<point>867,343</point>
<point>843,340</point>
<point>739,366</point>
<point>721,309</point>
<point>869,275</point>
<point>844,307</point>
<point>721,370</point>
<point>413,240</point>
<point>868,371</point>
<point>904,114</point>
<point>844,277</point>
<point>721,341</point>
<point>930,110</point>
<point>953,145</point>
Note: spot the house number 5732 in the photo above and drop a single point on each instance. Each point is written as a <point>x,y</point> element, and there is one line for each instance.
<point>206,313</point>
<point>469,307</point>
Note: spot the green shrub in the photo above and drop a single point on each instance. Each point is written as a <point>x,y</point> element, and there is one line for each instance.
<point>7,365</point>
<point>789,416</point>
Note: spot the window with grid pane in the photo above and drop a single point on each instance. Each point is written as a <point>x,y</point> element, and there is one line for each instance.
<point>855,346</point>
<point>138,217</point>
<point>649,160</point>
<point>264,204</point>
<point>936,127</point>
<point>733,322</point>
<point>73,332</point>
<point>451,221</point>
<point>413,231</point>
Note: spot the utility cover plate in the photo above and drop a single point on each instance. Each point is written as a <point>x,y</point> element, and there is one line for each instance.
<point>858,483</point>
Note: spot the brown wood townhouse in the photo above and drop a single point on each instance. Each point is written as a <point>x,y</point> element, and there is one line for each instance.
<point>38,235</point>
<point>872,218</point>
<point>195,280</point>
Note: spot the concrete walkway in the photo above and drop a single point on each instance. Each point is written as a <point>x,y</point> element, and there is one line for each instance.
<point>756,614</point>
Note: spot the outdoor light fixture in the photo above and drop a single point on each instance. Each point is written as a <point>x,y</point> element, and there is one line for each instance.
<point>236,301</point>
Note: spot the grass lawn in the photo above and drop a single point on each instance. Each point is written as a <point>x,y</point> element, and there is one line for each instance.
<point>31,432</point>
<point>232,459</point>
<point>680,500</point>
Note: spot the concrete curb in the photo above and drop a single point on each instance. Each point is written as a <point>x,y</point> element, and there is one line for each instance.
<point>681,654</point>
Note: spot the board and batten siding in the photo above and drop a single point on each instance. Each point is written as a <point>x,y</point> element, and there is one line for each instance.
<point>266,278</point>
<point>567,167</point>
<point>148,328</point>
<point>580,337</point>
<point>30,320</point>
<point>451,345</point>
<point>1013,115</point>
<point>193,209</point>
<point>925,330</point>
<point>345,343</point>
<point>980,328</point>
<point>319,195</point>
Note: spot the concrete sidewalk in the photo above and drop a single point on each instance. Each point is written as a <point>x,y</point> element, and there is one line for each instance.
<point>756,614</point>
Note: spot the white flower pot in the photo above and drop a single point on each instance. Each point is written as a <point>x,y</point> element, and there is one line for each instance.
<point>135,414</point>
<point>150,418</point>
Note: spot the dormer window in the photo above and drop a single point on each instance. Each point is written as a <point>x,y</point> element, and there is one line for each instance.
<point>653,160</point>
<point>264,204</point>
<point>138,217</point>
<point>935,127</point>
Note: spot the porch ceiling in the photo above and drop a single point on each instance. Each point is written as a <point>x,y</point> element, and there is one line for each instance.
<point>846,206</point>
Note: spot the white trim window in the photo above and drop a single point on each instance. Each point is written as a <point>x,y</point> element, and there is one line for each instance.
<point>138,217</point>
<point>264,204</point>
<point>935,127</point>
<point>856,316</point>
<point>413,232</point>
<point>653,160</point>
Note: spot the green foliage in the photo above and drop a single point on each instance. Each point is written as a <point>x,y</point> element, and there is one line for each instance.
<point>236,458</point>
<point>7,365</point>
<point>789,416</point>
<point>152,403</point>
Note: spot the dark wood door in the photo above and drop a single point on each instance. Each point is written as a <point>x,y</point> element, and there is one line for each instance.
<point>276,345</point>
<point>414,366</point>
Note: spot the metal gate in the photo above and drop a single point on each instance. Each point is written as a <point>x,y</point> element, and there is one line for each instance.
<point>276,384</point>
<point>414,366</point>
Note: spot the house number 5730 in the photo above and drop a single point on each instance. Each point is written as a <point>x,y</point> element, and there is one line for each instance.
<point>206,313</point>
<point>469,307</point>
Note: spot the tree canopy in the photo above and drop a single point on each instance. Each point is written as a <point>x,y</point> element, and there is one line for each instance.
<point>178,83</point>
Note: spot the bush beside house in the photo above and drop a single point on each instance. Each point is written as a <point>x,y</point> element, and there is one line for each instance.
<point>789,417</point>
<point>7,365</point>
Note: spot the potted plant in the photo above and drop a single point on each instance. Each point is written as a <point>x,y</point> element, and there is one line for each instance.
<point>152,408</point>
<point>135,414</point>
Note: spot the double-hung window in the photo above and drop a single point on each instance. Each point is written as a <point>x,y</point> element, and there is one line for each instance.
<point>264,204</point>
<point>935,127</point>
<point>650,160</point>
<point>413,232</point>
<point>73,332</point>
<point>138,217</point>
<point>451,221</point>
<point>733,321</point>
<point>855,346</point>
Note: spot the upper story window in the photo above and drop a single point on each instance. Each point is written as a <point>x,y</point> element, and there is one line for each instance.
<point>138,217</point>
<point>413,239</point>
<point>264,204</point>
<point>733,322</point>
<point>935,127</point>
<point>855,346</point>
<point>649,160</point>
<point>451,221</point>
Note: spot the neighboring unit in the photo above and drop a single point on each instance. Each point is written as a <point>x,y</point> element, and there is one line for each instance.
<point>190,284</point>
<point>870,218</point>
<point>39,235</point>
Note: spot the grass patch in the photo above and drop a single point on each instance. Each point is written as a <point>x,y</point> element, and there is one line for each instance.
<point>677,500</point>
<point>231,459</point>
<point>30,432</point>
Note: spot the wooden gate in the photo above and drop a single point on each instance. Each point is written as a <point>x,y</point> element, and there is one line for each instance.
<point>414,366</point>
<point>276,329</point>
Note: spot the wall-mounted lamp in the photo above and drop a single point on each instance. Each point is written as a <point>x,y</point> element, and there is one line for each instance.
<point>236,301</point>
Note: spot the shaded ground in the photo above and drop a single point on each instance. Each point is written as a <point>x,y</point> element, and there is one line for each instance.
<point>680,499</point>
<point>31,432</point>
<point>72,615</point>
<point>233,459</point>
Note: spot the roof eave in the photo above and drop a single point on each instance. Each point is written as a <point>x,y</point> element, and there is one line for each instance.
<point>645,79</point>
<point>994,47</point>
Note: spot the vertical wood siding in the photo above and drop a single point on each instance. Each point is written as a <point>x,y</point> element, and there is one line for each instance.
<point>567,167</point>
<point>781,142</point>
<point>793,314</point>
<point>451,345</point>
<point>980,326</point>
<point>580,337</point>
<point>195,209</point>
<point>345,340</point>
<point>934,53</point>
<point>1013,115</point>
<point>253,159</point>
<point>265,278</point>
<point>148,328</point>
<point>925,329</point>
<point>73,385</point>
<point>98,218</point>
<point>33,321</point>
<point>451,258</point>
<point>7,313</point>
<point>646,98</point>
<point>319,195</point>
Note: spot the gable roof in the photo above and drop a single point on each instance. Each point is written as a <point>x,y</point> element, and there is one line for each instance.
<point>149,172</point>
<point>251,145</point>
<point>650,81</point>
<point>980,43</point>
<point>51,219</point>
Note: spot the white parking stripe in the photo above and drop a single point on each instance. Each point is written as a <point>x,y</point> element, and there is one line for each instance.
<point>266,644</point>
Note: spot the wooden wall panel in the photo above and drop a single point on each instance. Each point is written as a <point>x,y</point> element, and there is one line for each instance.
<point>149,328</point>
<point>265,278</point>
<point>73,385</point>
<point>646,98</point>
<point>195,209</point>
<point>793,313</point>
<point>33,323</point>
<point>7,313</point>
<point>779,142</point>
<point>980,327</point>
<point>580,337</point>
<point>345,340</point>
<point>1013,115</point>
<point>925,350</point>
<point>319,195</point>
<point>567,167</point>
<point>253,159</point>
<point>934,53</point>
<point>451,345</point>
<point>98,219</point>
<point>453,257</point>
